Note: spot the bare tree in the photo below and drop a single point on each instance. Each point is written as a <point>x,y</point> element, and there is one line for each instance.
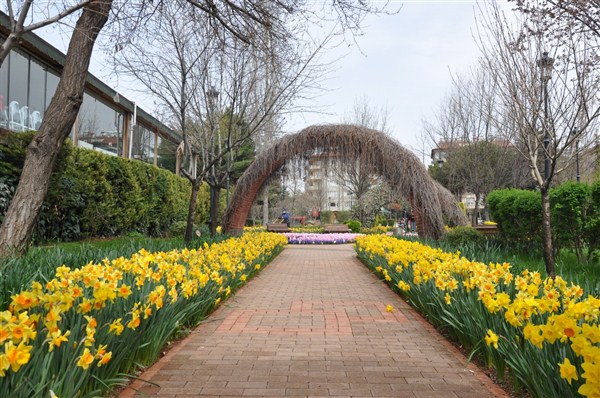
<point>20,11</point>
<point>549,98</point>
<point>561,18</point>
<point>41,154</point>
<point>478,158</point>
<point>253,88</point>
<point>354,176</point>
<point>245,21</point>
<point>222,92</point>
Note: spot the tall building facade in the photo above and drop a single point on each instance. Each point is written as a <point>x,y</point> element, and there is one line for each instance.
<point>327,185</point>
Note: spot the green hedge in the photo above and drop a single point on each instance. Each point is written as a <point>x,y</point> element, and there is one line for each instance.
<point>95,195</point>
<point>464,235</point>
<point>354,225</point>
<point>519,217</point>
<point>574,210</point>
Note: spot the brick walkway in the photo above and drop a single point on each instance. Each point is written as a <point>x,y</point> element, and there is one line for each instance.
<point>314,323</point>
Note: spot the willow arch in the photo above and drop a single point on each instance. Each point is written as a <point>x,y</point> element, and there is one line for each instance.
<point>386,156</point>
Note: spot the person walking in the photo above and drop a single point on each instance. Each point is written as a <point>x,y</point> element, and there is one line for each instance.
<point>286,217</point>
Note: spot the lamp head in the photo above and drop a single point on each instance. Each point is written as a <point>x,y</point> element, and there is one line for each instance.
<point>546,63</point>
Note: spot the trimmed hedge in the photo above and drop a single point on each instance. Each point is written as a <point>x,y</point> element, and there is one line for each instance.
<point>464,235</point>
<point>96,195</point>
<point>354,225</point>
<point>519,216</point>
<point>574,211</point>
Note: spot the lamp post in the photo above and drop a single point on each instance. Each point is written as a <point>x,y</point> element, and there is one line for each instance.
<point>575,133</point>
<point>545,63</point>
<point>212,94</point>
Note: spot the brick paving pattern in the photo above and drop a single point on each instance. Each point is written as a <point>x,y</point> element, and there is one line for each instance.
<point>314,324</point>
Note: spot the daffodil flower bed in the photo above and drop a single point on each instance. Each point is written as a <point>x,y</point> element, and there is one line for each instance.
<point>80,333</point>
<point>542,333</point>
<point>380,229</point>
<point>319,239</point>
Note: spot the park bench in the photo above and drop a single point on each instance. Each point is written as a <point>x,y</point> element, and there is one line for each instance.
<point>278,228</point>
<point>488,230</point>
<point>336,228</point>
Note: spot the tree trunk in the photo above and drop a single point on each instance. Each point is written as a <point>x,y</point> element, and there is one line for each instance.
<point>475,210</point>
<point>265,206</point>
<point>215,193</point>
<point>8,45</point>
<point>20,218</point>
<point>189,228</point>
<point>547,233</point>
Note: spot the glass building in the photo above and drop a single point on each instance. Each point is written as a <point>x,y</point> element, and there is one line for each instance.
<point>107,121</point>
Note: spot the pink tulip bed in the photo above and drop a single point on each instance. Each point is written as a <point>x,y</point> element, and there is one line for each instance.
<point>320,239</point>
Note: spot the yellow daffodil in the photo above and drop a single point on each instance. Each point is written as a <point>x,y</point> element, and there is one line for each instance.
<point>568,371</point>
<point>447,299</point>
<point>4,365</point>
<point>116,327</point>
<point>86,359</point>
<point>57,338</point>
<point>94,287</point>
<point>491,338</point>
<point>591,374</point>
<point>124,291</point>
<point>105,358</point>
<point>17,355</point>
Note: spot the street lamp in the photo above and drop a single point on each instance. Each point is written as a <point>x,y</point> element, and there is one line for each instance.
<point>212,95</point>
<point>575,133</point>
<point>545,63</point>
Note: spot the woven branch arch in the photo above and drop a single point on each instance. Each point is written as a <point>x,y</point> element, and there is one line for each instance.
<point>384,155</point>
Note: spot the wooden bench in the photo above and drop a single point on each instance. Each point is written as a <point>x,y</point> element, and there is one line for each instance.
<point>488,230</point>
<point>336,228</point>
<point>278,228</point>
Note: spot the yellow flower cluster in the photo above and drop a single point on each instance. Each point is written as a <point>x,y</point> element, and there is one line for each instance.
<point>65,311</point>
<point>547,310</point>
<point>380,229</point>
<point>256,228</point>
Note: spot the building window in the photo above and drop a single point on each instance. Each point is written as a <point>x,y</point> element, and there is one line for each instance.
<point>51,84</point>
<point>26,88</point>
<point>166,154</point>
<point>37,95</point>
<point>143,144</point>
<point>100,127</point>
<point>18,111</point>
<point>4,93</point>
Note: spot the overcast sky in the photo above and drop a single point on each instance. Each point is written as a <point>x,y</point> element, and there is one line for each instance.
<point>404,64</point>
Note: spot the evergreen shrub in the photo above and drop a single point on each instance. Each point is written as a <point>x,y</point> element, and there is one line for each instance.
<point>574,212</point>
<point>96,195</point>
<point>569,208</point>
<point>354,226</point>
<point>519,217</point>
<point>463,235</point>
